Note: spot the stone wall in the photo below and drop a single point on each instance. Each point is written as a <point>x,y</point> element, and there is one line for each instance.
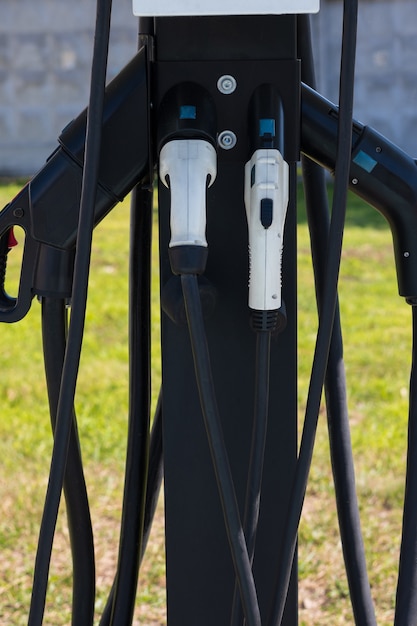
<point>45,63</point>
<point>45,59</point>
<point>386,65</point>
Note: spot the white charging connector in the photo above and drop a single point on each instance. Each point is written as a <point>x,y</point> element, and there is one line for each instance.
<point>266,201</point>
<point>187,167</point>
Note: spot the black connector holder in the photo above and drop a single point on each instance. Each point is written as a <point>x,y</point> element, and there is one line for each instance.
<point>123,162</point>
<point>187,111</point>
<point>265,109</point>
<point>380,173</point>
<point>47,208</point>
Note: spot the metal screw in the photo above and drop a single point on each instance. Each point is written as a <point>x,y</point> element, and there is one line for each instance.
<point>227,140</point>
<point>354,181</point>
<point>18,212</point>
<point>226,84</point>
<point>378,149</point>
<point>406,254</point>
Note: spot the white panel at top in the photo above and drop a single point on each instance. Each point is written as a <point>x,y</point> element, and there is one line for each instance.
<point>223,7</point>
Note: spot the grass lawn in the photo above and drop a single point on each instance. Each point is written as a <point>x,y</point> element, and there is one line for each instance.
<point>377,346</point>
<point>377,340</point>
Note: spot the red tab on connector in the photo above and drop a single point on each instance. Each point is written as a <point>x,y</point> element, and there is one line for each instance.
<point>12,241</point>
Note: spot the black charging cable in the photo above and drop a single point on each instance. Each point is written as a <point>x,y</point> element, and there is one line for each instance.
<point>218,450</point>
<point>76,326</point>
<point>256,459</point>
<point>155,473</point>
<point>54,332</point>
<point>406,596</point>
<point>153,487</point>
<point>259,432</point>
<point>137,455</point>
<point>315,190</point>
<point>327,311</point>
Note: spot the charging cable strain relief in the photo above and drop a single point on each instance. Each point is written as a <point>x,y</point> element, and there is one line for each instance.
<point>188,259</point>
<point>264,321</point>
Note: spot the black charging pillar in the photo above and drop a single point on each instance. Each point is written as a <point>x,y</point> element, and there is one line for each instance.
<point>253,51</point>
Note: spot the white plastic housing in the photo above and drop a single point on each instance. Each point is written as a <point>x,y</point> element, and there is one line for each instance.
<point>266,186</point>
<point>223,7</point>
<point>188,167</point>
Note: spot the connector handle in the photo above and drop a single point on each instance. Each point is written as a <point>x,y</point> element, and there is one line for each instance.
<point>187,167</point>
<point>380,173</point>
<point>16,213</point>
<point>266,201</point>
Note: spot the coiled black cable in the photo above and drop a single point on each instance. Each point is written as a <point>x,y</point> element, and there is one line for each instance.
<point>327,311</point>
<point>335,382</point>
<point>76,326</point>
<point>218,450</point>
<point>54,331</point>
<point>406,596</point>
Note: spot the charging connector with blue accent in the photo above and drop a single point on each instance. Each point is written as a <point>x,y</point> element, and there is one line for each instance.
<point>266,200</point>
<point>187,166</point>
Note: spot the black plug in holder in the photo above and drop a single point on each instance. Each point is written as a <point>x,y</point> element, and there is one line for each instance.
<point>380,173</point>
<point>266,119</point>
<point>47,208</point>
<point>187,111</point>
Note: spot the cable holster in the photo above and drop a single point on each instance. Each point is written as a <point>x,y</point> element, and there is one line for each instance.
<point>380,173</point>
<point>47,208</point>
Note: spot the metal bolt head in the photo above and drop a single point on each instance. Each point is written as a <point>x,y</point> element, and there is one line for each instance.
<point>226,84</point>
<point>18,212</point>
<point>227,140</point>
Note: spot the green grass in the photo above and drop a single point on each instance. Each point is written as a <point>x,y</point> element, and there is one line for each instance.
<point>377,329</point>
<point>102,406</point>
<point>377,346</point>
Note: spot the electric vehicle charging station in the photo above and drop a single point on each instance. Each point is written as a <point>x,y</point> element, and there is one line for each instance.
<point>222,125</point>
<point>199,565</point>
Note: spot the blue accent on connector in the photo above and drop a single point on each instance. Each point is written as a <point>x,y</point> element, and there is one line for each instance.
<point>365,161</point>
<point>188,112</point>
<point>266,127</point>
